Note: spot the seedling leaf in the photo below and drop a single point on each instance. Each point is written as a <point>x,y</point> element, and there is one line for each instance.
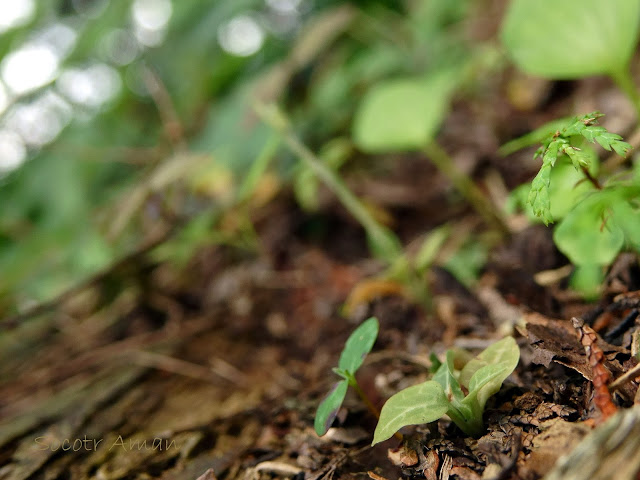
<point>488,379</point>
<point>505,350</point>
<point>329,407</point>
<point>358,345</point>
<point>589,37</point>
<point>415,405</point>
<point>355,350</point>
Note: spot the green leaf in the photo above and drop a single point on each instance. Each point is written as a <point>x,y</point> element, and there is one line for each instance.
<point>505,350</point>
<point>500,361</point>
<point>415,405</point>
<point>402,114</point>
<point>587,236</point>
<point>571,38</point>
<point>328,409</point>
<point>430,247</point>
<point>358,345</point>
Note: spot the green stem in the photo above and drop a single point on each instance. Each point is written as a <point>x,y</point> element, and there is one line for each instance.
<point>258,167</point>
<point>363,396</point>
<point>474,427</point>
<point>466,187</point>
<point>385,241</point>
<point>623,79</point>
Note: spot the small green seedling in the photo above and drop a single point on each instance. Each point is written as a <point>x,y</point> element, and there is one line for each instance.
<point>481,377</point>
<point>355,350</point>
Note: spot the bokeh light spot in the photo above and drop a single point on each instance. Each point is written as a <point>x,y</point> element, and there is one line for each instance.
<point>241,36</point>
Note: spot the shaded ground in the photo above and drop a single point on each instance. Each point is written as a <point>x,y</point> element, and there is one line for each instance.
<point>153,371</point>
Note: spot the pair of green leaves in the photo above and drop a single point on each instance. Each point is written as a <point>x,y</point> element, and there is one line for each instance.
<point>355,350</point>
<point>481,377</point>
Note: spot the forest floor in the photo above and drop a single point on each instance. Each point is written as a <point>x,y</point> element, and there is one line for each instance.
<point>215,370</point>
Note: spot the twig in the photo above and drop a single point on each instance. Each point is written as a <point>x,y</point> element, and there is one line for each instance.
<point>624,379</point>
<point>184,368</point>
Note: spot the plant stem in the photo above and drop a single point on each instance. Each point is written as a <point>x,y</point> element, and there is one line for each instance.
<point>623,79</point>
<point>466,187</point>
<point>594,181</point>
<point>259,166</point>
<point>363,396</point>
<point>372,408</point>
<point>389,247</point>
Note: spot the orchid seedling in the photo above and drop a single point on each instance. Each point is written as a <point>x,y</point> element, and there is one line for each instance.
<point>481,377</point>
<point>355,350</point>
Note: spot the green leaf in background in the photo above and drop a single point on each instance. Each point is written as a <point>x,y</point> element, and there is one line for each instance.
<point>587,235</point>
<point>571,38</point>
<point>328,409</point>
<point>467,263</point>
<point>403,114</point>
<point>358,346</point>
<point>415,405</point>
<point>430,247</point>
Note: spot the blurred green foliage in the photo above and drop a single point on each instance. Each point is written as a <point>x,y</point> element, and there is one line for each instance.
<point>179,144</point>
<point>114,174</point>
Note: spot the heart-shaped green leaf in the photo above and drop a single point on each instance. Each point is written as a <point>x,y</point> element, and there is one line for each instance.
<point>358,345</point>
<point>571,38</point>
<point>329,407</point>
<point>415,405</point>
<point>402,114</point>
